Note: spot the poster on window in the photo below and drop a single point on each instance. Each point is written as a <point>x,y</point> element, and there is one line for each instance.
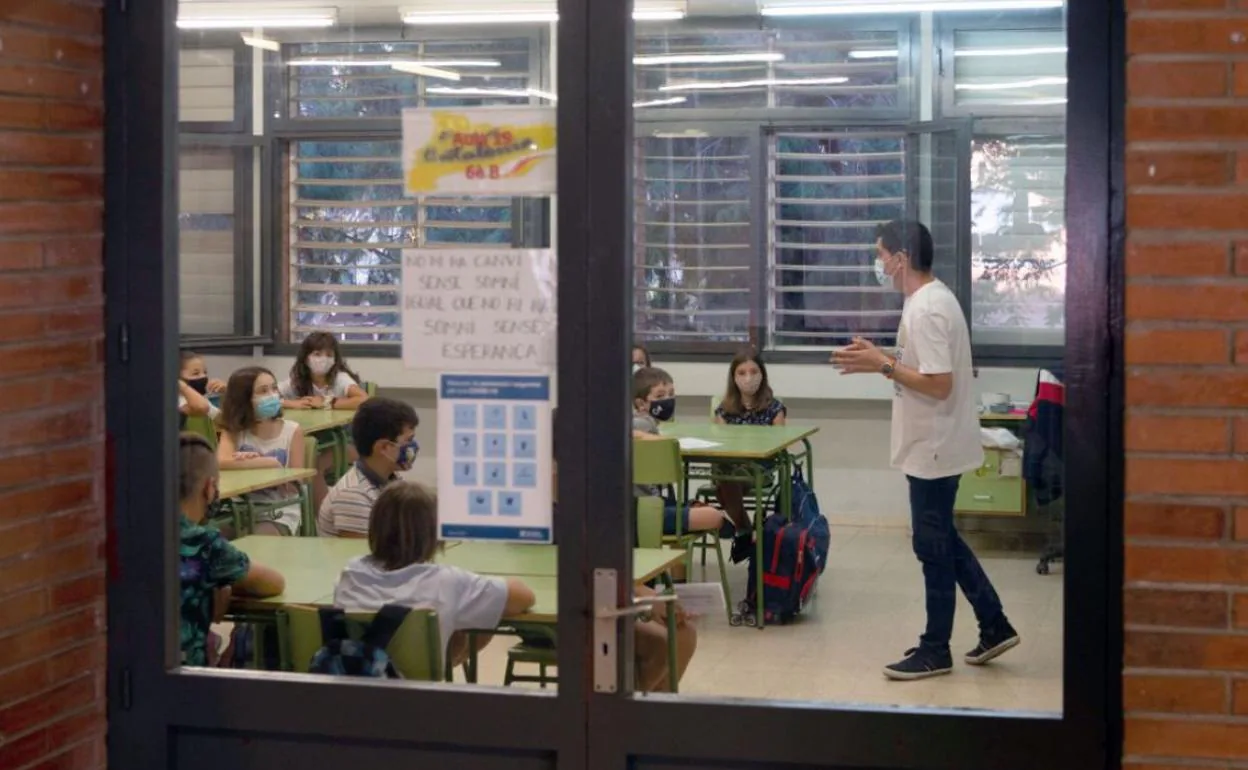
<point>479,151</point>
<point>479,310</point>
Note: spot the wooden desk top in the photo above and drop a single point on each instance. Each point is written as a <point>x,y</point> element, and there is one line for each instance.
<point>238,483</point>
<point>741,442</point>
<point>316,420</point>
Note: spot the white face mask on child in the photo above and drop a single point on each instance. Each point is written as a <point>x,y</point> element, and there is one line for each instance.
<point>749,384</point>
<point>320,364</point>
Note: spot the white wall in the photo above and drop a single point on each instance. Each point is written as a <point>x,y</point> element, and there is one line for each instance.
<point>852,475</point>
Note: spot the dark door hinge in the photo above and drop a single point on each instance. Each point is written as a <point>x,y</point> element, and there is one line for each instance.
<point>124,686</point>
<point>123,343</point>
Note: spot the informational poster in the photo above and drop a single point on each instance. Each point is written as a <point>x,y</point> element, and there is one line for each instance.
<point>478,310</point>
<point>479,151</point>
<point>494,457</point>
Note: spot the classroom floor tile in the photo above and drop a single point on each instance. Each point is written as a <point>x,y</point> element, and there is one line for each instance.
<point>868,610</point>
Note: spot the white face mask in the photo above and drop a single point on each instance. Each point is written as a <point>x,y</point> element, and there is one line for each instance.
<point>637,368</point>
<point>320,364</point>
<point>881,275</point>
<point>749,384</point>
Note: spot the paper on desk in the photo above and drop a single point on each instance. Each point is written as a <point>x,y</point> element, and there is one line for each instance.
<point>688,442</point>
<point>699,599</point>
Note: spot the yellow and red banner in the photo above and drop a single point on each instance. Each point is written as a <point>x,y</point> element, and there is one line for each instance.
<point>479,151</point>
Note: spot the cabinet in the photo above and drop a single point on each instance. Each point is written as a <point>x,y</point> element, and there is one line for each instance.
<point>996,488</point>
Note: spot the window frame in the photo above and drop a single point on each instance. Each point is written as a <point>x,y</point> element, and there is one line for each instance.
<point>241,124</point>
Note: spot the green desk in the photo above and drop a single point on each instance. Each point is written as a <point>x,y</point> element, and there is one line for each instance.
<point>329,427</point>
<point>239,483</point>
<point>749,454</point>
<point>311,566</point>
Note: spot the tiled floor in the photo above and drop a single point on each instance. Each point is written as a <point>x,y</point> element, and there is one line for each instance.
<point>868,610</point>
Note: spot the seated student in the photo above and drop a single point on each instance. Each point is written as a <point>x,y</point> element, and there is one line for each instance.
<point>194,372</point>
<point>403,540</point>
<point>641,357</point>
<point>320,379</point>
<point>748,400</point>
<point>383,432</point>
<point>209,566</point>
<point>654,401</point>
<point>254,435</point>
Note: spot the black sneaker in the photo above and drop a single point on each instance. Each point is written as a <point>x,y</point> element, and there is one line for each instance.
<point>742,547</point>
<point>919,664</point>
<point>993,643</point>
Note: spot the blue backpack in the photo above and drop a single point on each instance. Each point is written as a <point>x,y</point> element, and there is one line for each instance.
<point>795,553</point>
<point>344,656</point>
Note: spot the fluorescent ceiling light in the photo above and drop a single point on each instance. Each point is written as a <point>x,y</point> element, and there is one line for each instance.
<point>498,17</point>
<point>315,61</point>
<point>722,85</point>
<point>294,18</point>
<point>854,7</point>
<point>661,102</point>
<point>1009,51</point>
<point>1011,85</point>
<point>517,93</point>
<point>421,69</point>
<point>261,42</point>
<point>880,54</point>
<point>672,15</point>
<point>654,60</point>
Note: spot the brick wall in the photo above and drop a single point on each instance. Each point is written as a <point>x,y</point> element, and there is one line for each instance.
<point>1186,602</point>
<point>51,386</point>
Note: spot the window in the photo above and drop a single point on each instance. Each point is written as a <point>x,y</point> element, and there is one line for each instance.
<point>207,241</point>
<point>350,222</point>
<point>206,85</point>
<point>693,244</point>
<point>829,193</point>
<point>1012,68</point>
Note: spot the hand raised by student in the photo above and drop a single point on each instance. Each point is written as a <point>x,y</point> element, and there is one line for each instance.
<point>216,386</point>
<point>859,357</point>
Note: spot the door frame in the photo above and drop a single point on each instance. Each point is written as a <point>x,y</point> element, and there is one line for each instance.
<point>150,700</point>
<point>624,729</point>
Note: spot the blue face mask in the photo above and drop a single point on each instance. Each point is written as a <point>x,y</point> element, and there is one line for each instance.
<point>268,407</point>
<point>663,409</point>
<point>407,455</point>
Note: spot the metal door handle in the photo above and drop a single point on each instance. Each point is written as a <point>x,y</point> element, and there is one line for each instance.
<point>640,605</point>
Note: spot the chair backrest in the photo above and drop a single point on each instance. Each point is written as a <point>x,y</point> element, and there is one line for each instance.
<point>415,649</point>
<point>649,522</point>
<point>656,462</point>
<point>715,402</point>
<point>203,426</point>
<point>370,388</point>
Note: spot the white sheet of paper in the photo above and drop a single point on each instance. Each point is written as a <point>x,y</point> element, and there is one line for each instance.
<point>700,599</point>
<point>697,443</point>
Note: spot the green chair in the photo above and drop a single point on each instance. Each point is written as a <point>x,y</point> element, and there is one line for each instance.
<point>658,463</point>
<point>370,388</point>
<point>415,649</point>
<point>202,425</point>
<point>308,525</point>
<point>534,649</point>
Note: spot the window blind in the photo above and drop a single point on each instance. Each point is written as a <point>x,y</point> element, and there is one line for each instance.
<point>206,244</point>
<point>206,85</point>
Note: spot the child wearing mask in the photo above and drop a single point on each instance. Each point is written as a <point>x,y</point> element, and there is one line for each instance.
<point>748,400</point>
<point>654,402</point>
<point>384,433</point>
<point>320,378</point>
<point>193,376</point>
<point>254,435</point>
<point>641,357</point>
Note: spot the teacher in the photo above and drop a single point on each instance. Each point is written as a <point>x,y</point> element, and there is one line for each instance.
<point>935,439</point>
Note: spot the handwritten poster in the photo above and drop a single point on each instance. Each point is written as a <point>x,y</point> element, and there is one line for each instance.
<point>479,151</point>
<point>494,457</point>
<point>479,310</point>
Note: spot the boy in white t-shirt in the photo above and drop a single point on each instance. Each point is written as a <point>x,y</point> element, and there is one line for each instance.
<point>935,439</point>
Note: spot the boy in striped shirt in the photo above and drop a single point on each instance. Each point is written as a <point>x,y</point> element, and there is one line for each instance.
<point>384,434</point>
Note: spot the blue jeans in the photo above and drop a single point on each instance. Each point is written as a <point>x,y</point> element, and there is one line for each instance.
<point>948,563</point>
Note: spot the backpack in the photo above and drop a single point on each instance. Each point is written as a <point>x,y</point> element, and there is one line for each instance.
<point>344,656</point>
<point>795,553</point>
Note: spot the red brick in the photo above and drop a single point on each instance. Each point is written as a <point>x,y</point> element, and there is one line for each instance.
<point>22,218</point>
<point>1175,388</point>
<point>22,751</point>
<point>84,756</point>
<point>21,113</point>
<point>42,500</point>
<point>1202,35</point>
<point>18,610</point>
<point>1175,5</point>
<point>1240,612</point>
<point>74,252</point>
<point>1202,740</point>
<point>1239,697</point>
<point>1183,609</point>
<point>42,567</point>
<point>1188,122</point>
<point>1165,433</point>
<point>1240,266</point>
<point>1240,83</point>
<point>34,712</point>
<point>43,185</point>
<point>74,727</point>
<point>45,357</point>
<point>35,80</point>
<point>1177,346</point>
<point>1241,347</point>
<point>1168,564</point>
<point>20,255</point>
<point>1184,476</point>
<point>1204,302</point>
<point>76,661</point>
<point>1175,694</point>
<point>1170,520</point>
<point>1212,652</point>
<point>1240,527</point>
<point>50,288</point>
<point>79,591</point>
<point>40,150</point>
<point>60,15</point>
<point>50,637</point>
<point>1171,259</point>
<point>1187,211</point>
<point>36,467</point>
<point>1170,79</point>
<point>69,116</point>
<point>20,682</point>
<point>21,538</point>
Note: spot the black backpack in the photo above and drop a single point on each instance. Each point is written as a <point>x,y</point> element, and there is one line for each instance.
<point>344,656</point>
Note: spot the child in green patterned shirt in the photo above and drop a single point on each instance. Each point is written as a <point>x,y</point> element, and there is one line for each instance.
<point>209,566</point>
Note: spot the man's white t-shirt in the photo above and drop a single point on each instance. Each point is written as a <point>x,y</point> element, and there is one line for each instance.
<point>933,439</point>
